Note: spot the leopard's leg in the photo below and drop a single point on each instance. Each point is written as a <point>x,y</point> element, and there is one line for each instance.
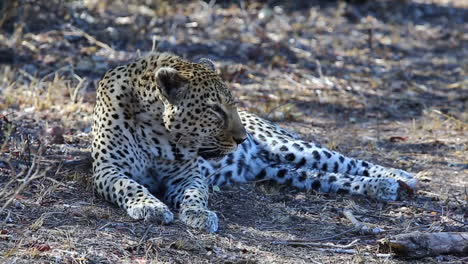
<point>275,145</point>
<point>114,184</point>
<point>385,189</point>
<point>233,169</point>
<point>187,190</point>
<point>273,154</point>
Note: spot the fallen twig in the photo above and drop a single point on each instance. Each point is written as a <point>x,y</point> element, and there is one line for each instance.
<point>315,240</point>
<point>418,245</point>
<point>352,251</point>
<point>33,173</point>
<point>276,108</point>
<point>315,244</point>
<point>361,227</point>
<point>59,183</point>
<point>91,39</point>
<point>83,162</point>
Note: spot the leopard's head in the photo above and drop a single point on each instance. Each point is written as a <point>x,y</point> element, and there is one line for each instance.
<point>199,109</point>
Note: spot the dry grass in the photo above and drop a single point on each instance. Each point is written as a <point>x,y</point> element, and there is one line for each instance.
<point>379,81</point>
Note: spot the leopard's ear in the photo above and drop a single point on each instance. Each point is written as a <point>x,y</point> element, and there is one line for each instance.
<point>171,84</point>
<point>207,63</point>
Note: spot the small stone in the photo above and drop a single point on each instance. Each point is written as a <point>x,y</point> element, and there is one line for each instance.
<point>56,133</point>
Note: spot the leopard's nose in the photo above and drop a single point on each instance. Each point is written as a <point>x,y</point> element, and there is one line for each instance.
<point>239,140</point>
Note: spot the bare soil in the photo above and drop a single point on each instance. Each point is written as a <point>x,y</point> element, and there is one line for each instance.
<point>379,80</point>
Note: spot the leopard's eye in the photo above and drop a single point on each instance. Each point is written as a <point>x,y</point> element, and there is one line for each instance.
<point>218,110</point>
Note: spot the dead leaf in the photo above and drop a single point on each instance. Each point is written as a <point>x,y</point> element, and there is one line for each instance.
<point>43,247</point>
<point>397,139</point>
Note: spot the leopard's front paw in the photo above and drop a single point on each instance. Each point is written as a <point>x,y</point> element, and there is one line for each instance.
<point>151,212</point>
<point>200,219</point>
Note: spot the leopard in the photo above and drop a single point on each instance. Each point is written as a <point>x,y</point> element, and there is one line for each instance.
<point>167,130</point>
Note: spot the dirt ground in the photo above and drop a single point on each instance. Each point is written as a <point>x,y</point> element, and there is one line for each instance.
<point>379,80</point>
